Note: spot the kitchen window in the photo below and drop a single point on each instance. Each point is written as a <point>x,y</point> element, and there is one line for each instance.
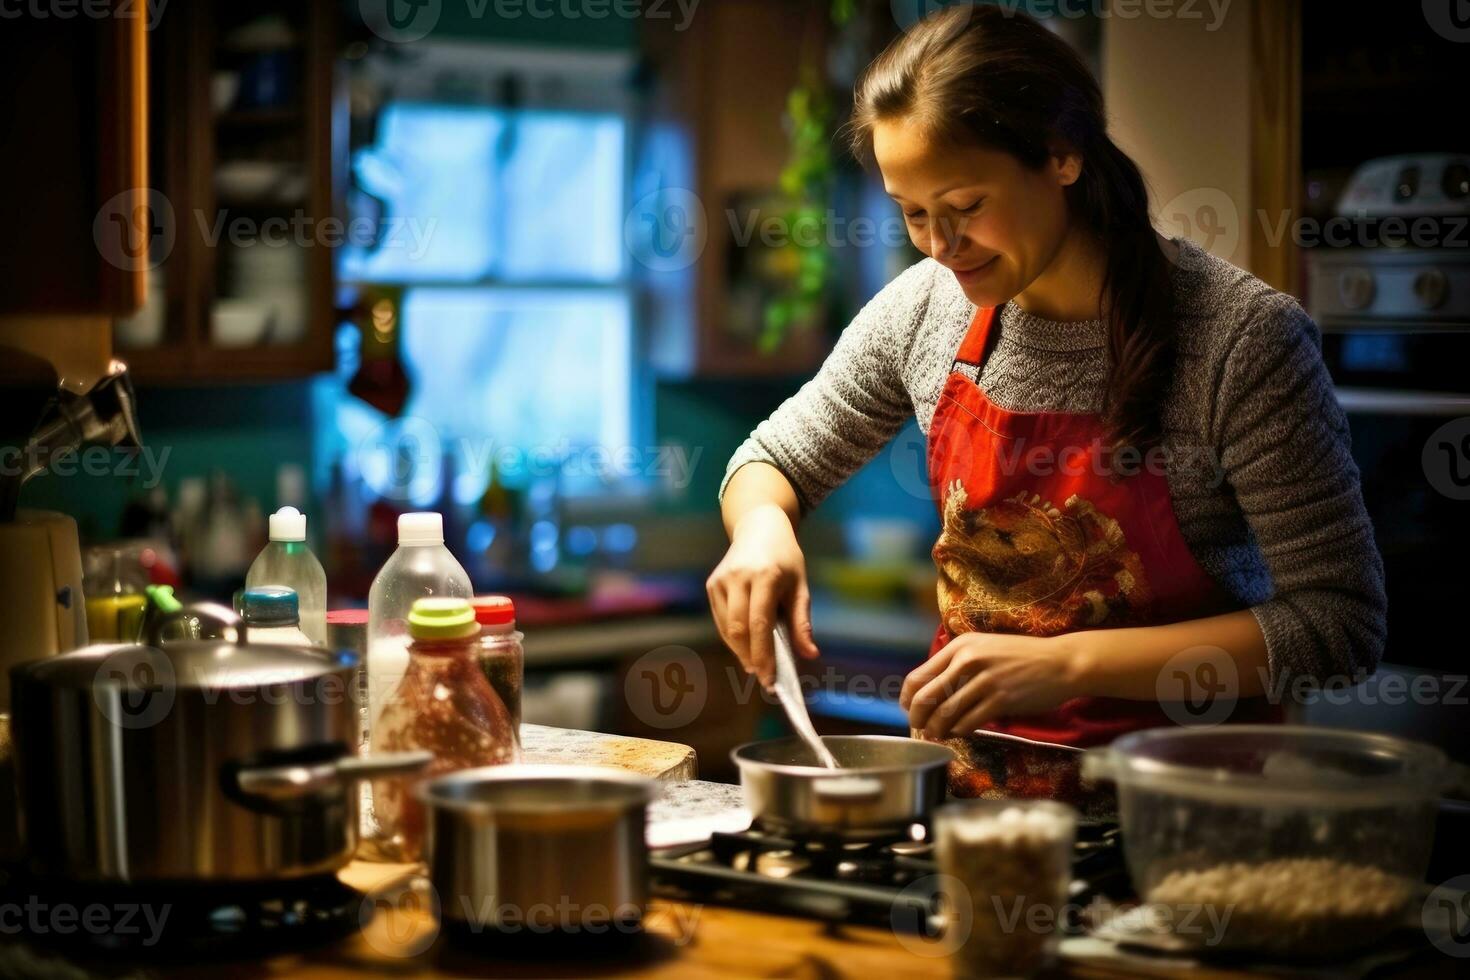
<point>504,229</point>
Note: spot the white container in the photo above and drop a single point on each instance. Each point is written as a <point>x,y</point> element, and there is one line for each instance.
<point>421,567</point>
<point>288,562</point>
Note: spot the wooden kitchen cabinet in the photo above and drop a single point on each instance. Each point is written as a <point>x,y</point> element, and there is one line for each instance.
<point>714,128</point>
<point>75,130</point>
<point>244,140</point>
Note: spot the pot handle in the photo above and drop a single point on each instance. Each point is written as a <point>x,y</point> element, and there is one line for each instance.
<point>1099,764</point>
<point>220,615</point>
<point>291,782</point>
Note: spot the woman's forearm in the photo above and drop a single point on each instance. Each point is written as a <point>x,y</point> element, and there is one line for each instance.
<point>1131,662</point>
<point>757,485</point>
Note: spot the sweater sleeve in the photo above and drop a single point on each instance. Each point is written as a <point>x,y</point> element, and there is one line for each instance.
<point>856,403</point>
<point>1285,452</point>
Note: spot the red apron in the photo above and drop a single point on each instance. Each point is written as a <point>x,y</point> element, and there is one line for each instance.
<point>1038,537</point>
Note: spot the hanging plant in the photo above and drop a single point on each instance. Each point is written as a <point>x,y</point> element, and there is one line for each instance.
<point>805,260</point>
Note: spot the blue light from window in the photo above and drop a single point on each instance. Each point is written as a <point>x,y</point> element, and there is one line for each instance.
<point>473,194</point>
<point>519,376</point>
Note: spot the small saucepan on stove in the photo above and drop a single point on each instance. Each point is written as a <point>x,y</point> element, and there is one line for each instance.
<point>202,761</point>
<point>886,784</point>
<point>539,849</point>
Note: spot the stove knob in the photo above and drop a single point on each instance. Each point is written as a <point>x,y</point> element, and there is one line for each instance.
<point>1355,286</point>
<point>1430,288</point>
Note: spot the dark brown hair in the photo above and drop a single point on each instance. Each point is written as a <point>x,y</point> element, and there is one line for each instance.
<point>980,75</point>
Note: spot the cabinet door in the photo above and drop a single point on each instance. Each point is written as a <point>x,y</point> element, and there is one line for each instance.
<point>78,225</point>
<point>244,161</point>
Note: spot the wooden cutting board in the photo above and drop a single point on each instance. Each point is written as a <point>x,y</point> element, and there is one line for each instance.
<point>668,761</point>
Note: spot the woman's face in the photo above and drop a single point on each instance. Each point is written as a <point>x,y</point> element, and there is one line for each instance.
<point>994,223</point>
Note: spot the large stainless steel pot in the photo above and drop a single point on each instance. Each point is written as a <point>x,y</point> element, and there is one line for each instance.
<point>203,760</point>
<point>529,848</point>
<point>886,784</point>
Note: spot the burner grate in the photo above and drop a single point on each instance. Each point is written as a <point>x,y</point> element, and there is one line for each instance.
<point>891,883</point>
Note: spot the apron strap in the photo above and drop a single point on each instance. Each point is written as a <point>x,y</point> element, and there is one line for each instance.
<point>972,349</point>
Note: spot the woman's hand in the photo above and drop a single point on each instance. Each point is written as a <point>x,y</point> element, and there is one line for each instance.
<point>979,677</point>
<point>762,574</point>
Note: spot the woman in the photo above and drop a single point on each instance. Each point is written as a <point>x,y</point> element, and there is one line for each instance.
<point>1142,473</point>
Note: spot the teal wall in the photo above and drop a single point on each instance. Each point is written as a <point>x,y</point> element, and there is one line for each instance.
<point>245,430</point>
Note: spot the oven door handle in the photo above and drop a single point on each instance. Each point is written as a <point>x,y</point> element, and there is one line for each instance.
<point>1380,401</point>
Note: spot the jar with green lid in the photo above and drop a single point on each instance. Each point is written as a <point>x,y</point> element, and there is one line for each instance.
<point>443,704</point>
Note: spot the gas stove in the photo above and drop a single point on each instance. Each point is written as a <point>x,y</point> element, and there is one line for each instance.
<point>169,920</point>
<point>893,884</point>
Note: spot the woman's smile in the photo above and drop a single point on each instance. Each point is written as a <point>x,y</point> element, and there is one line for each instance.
<point>972,274</point>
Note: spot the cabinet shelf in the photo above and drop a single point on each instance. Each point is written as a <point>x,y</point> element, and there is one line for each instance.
<point>192,142</point>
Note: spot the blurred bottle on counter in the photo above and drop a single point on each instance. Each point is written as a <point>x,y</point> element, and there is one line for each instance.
<point>287,561</point>
<point>272,615</point>
<point>502,655</point>
<point>219,532</point>
<point>115,589</point>
<point>444,705</point>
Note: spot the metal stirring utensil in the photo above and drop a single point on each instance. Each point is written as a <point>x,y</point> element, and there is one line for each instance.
<point>788,692</point>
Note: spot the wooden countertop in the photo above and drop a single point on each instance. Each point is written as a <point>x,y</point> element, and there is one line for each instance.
<point>402,938</point>
<point>681,941</point>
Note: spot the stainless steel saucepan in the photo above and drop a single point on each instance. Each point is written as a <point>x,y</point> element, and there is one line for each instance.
<point>540,848</point>
<point>886,784</point>
<point>196,761</point>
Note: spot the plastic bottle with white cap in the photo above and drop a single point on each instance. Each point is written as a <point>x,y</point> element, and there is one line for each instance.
<point>287,561</point>
<point>421,568</point>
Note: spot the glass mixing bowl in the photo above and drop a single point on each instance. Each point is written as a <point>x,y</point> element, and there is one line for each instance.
<point>1281,839</point>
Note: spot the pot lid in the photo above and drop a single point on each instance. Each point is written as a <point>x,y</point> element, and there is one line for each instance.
<point>194,664</point>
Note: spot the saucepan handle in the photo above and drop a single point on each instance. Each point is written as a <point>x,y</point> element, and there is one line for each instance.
<point>1099,764</point>
<point>282,783</point>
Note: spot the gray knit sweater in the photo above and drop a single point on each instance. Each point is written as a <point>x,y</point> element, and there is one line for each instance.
<point>1257,455</point>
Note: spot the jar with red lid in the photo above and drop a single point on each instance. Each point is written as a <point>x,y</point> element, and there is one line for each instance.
<point>502,654</point>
